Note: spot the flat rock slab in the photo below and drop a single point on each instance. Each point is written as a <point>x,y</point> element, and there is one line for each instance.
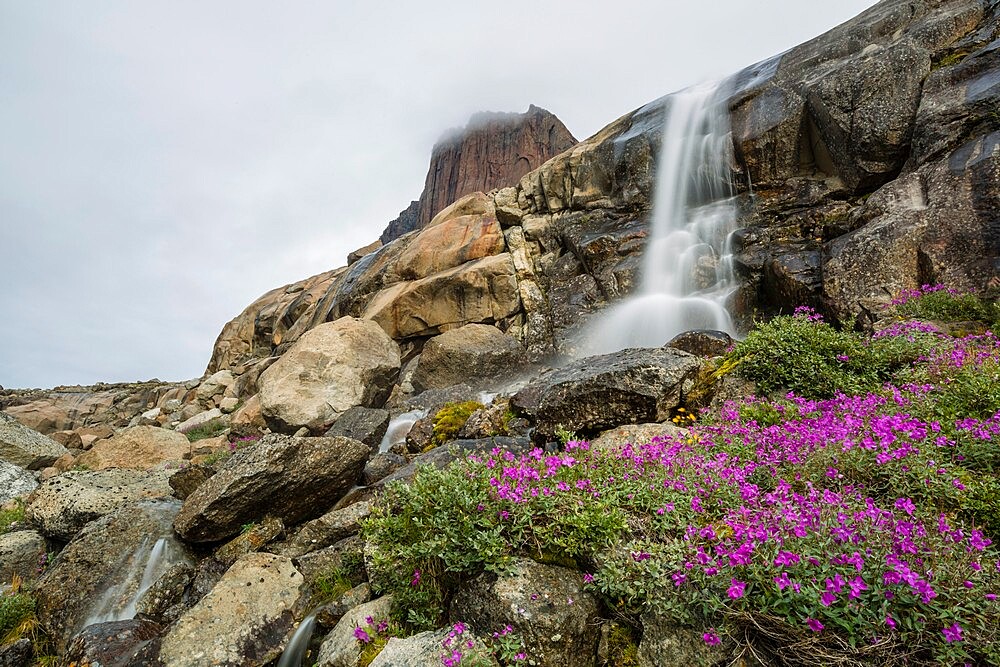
<point>25,447</point>
<point>598,393</point>
<point>64,504</point>
<point>286,477</point>
<point>243,621</point>
<point>136,448</point>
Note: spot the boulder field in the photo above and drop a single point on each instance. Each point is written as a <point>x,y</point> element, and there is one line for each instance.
<point>201,523</point>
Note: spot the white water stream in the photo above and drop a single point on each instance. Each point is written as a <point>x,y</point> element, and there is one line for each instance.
<point>399,426</point>
<point>687,273</point>
<point>295,650</point>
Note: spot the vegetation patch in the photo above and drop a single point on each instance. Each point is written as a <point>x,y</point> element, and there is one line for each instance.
<point>210,429</point>
<point>848,522</point>
<point>450,419</point>
<point>11,515</point>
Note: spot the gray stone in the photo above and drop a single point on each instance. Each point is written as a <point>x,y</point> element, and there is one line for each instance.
<point>15,482</point>
<point>597,393</point>
<point>340,648</point>
<point>18,654</point>
<point>702,342</point>
<point>25,447</point>
<point>366,425</point>
<point>467,354</point>
<point>546,605</point>
<point>243,621</point>
<point>64,504</point>
<point>426,649</point>
<point>21,553</point>
<point>115,644</point>
<point>381,466</point>
<point>327,529</point>
<point>286,477</point>
<point>201,419</point>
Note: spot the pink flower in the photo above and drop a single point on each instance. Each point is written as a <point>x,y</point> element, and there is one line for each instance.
<point>711,638</point>
<point>890,622</point>
<point>952,633</point>
<point>416,578</point>
<point>361,635</point>
<point>736,589</point>
<point>588,578</point>
<point>814,625</point>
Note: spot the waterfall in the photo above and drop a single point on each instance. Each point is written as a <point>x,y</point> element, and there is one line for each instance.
<point>399,426</point>
<point>297,646</point>
<point>687,271</point>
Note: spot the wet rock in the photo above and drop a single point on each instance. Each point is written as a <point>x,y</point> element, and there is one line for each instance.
<point>340,648</point>
<point>95,562</point>
<point>467,354</point>
<point>366,425</point>
<point>327,529</point>
<point>164,602</point>
<point>136,448</point>
<point>290,478</point>
<point>329,370</point>
<point>702,342</point>
<point>64,504</point>
<point>22,552</point>
<point>18,654</point>
<point>381,466</point>
<point>25,447</point>
<point>597,393</point>
<point>15,481</point>
<point>189,478</point>
<point>243,621</point>
<point>114,644</point>
<point>546,605</point>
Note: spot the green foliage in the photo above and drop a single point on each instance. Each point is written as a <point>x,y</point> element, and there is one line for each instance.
<point>947,306</point>
<point>17,614</point>
<point>450,419</point>
<point>623,646</point>
<point>329,585</point>
<point>564,435</point>
<point>14,514</point>
<point>982,505</point>
<point>210,429</point>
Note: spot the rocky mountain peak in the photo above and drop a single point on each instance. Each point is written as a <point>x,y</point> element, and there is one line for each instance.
<point>493,150</point>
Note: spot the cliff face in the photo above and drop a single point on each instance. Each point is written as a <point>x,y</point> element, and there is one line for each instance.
<point>493,151</point>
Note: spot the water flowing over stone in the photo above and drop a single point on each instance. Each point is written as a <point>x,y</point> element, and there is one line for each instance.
<point>399,427</point>
<point>687,266</point>
<point>295,650</point>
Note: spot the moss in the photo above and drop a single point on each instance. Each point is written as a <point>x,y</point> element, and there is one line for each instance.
<point>950,59</point>
<point>450,419</point>
<point>623,646</point>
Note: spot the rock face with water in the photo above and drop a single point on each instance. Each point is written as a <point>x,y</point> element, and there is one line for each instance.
<point>546,605</point>
<point>64,504</point>
<point>291,478</point>
<point>494,150</point>
<point>95,563</point>
<point>243,621</point>
<point>598,393</point>
<point>116,644</point>
<point>328,371</point>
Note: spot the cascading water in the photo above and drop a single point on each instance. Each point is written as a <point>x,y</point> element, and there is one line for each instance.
<point>687,271</point>
<point>295,650</point>
<point>399,427</point>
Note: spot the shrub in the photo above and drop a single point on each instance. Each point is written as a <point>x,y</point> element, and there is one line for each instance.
<point>450,419</point>
<point>17,614</point>
<point>210,429</point>
<point>941,304</point>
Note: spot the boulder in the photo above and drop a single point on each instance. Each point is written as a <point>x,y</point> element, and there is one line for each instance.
<point>428,649</point>
<point>64,504</point>
<point>340,648</point>
<point>22,552</point>
<point>327,529</point>
<point>137,448</point>
<point>546,605</point>
<point>482,291</point>
<point>636,434</point>
<point>64,410</point>
<point>367,425</point>
<point>381,466</point>
<point>115,644</point>
<point>665,644</point>
<point>248,416</point>
<point>702,342</point>
<point>15,482</point>
<point>243,621</point>
<point>330,614</point>
<point>201,419</point>
<point>466,354</point>
<point>25,447</point>
<point>97,562</point>
<point>597,393</point>
<point>345,556</point>
<point>18,654</point>
<point>216,384</point>
<point>286,477</point>
<point>329,370</point>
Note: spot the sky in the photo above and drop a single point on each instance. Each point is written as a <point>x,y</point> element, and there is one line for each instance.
<point>164,163</point>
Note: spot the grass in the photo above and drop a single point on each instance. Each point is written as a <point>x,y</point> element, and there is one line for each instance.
<point>11,516</point>
<point>210,429</point>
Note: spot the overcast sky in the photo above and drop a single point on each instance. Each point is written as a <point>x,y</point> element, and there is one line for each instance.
<point>163,164</point>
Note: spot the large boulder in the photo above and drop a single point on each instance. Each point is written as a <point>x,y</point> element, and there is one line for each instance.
<point>483,290</point>
<point>598,393</point>
<point>468,353</point>
<point>64,504</point>
<point>22,553</point>
<point>290,478</point>
<point>116,644</point>
<point>546,605</point>
<point>329,370</point>
<point>323,531</point>
<point>243,621</point>
<point>367,425</point>
<point>15,481</point>
<point>25,447</point>
<point>94,566</point>
<point>138,448</point>
<point>62,411</point>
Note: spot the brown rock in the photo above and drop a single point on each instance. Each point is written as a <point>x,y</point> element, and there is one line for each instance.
<point>493,151</point>
<point>137,448</point>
